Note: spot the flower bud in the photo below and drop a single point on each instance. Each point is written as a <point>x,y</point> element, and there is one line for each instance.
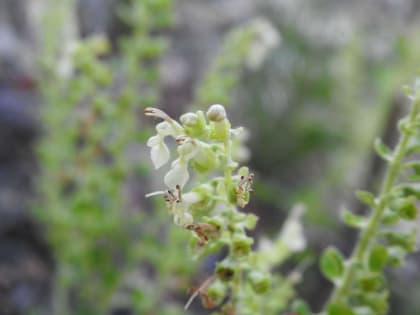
<point>216,113</point>
<point>189,119</point>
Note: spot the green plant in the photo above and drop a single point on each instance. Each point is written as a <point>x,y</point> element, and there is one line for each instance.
<point>210,211</point>
<point>90,121</point>
<point>360,287</point>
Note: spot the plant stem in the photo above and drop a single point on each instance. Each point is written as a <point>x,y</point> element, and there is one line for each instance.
<point>369,232</point>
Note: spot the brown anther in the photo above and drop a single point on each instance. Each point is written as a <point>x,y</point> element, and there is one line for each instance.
<point>204,231</point>
<point>178,188</point>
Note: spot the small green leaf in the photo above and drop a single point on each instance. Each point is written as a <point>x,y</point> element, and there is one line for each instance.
<point>366,197</point>
<point>409,190</point>
<point>382,150</point>
<point>390,217</point>
<point>353,220</point>
<point>395,256</point>
<point>407,241</point>
<point>378,258</point>
<point>408,210</point>
<point>339,309</point>
<point>301,308</point>
<point>332,263</point>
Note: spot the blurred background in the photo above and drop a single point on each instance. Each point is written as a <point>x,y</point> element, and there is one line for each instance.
<point>315,82</point>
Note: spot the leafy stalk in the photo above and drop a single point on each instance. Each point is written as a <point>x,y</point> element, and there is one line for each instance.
<point>375,244</point>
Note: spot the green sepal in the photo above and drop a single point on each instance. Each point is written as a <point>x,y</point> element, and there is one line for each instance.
<point>241,245</point>
<point>371,282</point>
<point>260,281</point>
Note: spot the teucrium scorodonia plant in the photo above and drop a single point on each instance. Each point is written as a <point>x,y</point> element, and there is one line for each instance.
<point>206,202</point>
<point>360,287</point>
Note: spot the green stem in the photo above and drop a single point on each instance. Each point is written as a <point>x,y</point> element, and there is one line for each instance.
<point>228,167</point>
<point>369,232</point>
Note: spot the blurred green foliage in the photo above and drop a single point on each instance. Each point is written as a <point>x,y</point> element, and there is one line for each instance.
<point>90,124</point>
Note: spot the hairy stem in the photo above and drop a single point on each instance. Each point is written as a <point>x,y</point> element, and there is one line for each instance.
<point>369,232</point>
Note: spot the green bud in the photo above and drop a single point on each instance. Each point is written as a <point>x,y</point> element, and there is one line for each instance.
<point>217,291</point>
<point>225,271</point>
<point>241,244</point>
<point>260,282</point>
<point>217,221</point>
<point>251,221</point>
<point>371,282</point>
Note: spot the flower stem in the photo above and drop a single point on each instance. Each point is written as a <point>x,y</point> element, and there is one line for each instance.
<point>369,232</point>
<point>228,167</point>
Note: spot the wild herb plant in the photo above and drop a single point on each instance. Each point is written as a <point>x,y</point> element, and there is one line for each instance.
<point>360,286</point>
<point>242,283</point>
<point>208,204</point>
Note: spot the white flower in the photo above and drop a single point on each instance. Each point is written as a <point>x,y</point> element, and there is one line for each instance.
<point>292,232</point>
<point>178,205</point>
<point>178,174</point>
<point>267,38</point>
<point>159,151</point>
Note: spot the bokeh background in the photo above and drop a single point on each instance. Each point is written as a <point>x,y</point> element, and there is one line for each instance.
<point>314,82</point>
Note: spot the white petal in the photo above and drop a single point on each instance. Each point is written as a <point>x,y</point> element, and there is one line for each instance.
<point>177,175</point>
<point>188,149</point>
<point>183,219</point>
<point>160,154</point>
<point>165,129</point>
<point>155,193</point>
<point>191,198</point>
<point>154,140</point>
<point>292,232</point>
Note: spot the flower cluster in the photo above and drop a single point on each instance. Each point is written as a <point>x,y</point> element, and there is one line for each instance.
<point>207,205</point>
<point>203,143</point>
